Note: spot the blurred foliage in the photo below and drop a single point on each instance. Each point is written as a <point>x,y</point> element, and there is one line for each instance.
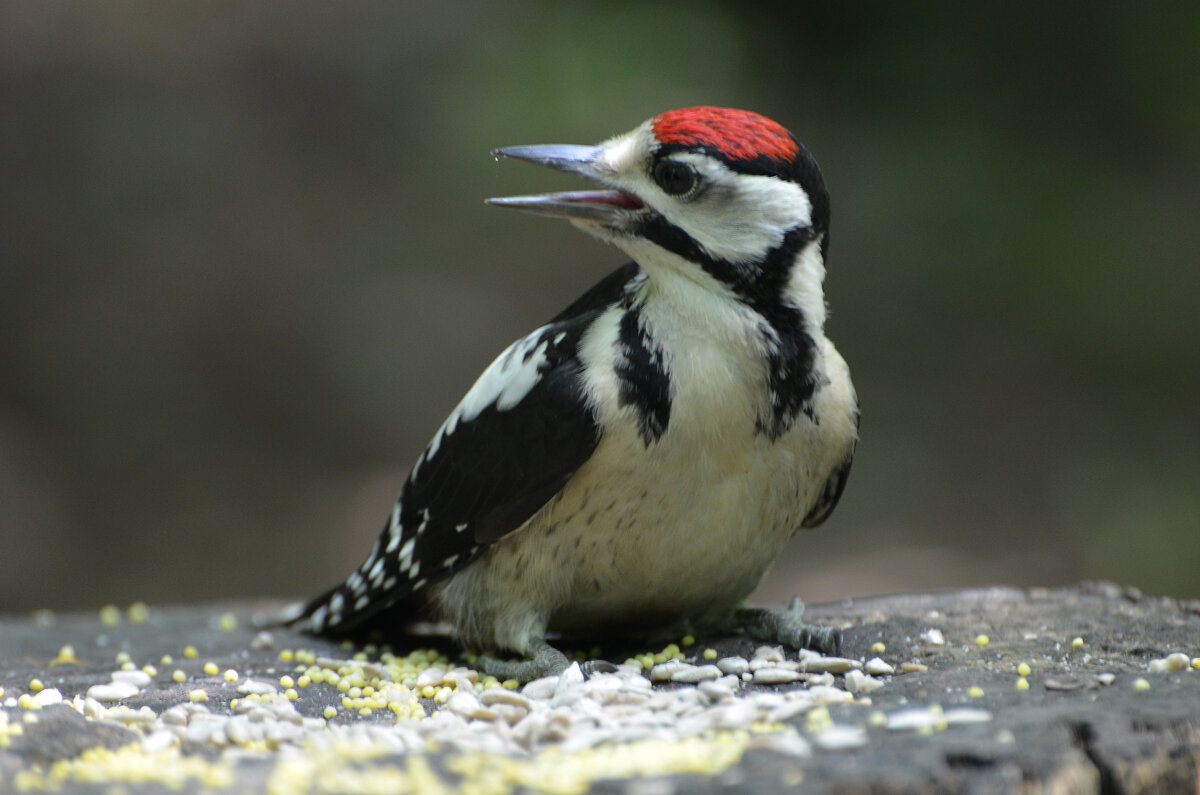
<point>246,271</point>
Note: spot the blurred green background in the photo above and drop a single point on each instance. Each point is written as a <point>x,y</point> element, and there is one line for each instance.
<point>246,270</point>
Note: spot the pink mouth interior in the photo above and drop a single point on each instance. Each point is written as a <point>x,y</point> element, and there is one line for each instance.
<point>610,198</point>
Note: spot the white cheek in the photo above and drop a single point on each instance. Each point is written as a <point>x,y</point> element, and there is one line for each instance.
<point>744,226</point>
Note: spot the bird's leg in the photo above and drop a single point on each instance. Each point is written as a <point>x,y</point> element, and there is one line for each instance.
<point>545,661</point>
<point>786,626</point>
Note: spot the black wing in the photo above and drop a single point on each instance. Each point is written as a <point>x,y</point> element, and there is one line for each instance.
<point>831,492</point>
<point>506,450</point>
<point>827,500</point>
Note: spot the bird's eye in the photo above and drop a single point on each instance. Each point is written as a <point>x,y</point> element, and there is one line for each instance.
<point>675,178</point>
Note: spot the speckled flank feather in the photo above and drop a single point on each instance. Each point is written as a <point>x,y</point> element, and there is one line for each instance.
<point>736,134</point>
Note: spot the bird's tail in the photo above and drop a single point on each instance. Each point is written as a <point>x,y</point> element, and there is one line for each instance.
<point>361,605</point>
<point>378,619</point>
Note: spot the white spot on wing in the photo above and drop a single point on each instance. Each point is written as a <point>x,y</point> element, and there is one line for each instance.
<point>318,618</point>
<point>504,384</point>
<point>406,554</point>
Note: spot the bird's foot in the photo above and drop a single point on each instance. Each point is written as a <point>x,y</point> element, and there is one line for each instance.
<point>786,626</point>
<point>546,661</point>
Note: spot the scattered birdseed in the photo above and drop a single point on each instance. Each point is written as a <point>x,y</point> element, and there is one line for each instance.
<point>841,737</point>
<point>138,679</point>
<point>916,718</point>
<point>190,652</point>
<point>859,682</point>
<point>36,685</point>
<point>66,656</point>
<point>114,691</point>
<point>687,640</point>
<point>110,615</point>
<point>819,719</point>
<point>1022,683</point>
<point>733,665</point>
<point>877,667</point>
<point>961,715</point>
<point>227,622</point>
<point>1023,669</point>
<point>663,672</point>
<point>878,648</point>
<point>981,640</point>
<point>256,687</point>
<point>975,692</point>
<point>694,674</point>
<point>619,717</point>
<point>913,668</point>
<point>1141,684</point>
<point>776,676</point>
<point>1076,643</point>
<point>816,663</point>
<point>1172,662</point>
<point>710,654</point>
<point>139,613</point>
<point>933,637</point>
<point>231,675</point>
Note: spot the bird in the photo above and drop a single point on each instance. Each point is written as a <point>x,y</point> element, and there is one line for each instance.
<point>636,464</point>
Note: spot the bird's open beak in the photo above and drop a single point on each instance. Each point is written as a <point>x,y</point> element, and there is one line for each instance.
<point>589,205</point>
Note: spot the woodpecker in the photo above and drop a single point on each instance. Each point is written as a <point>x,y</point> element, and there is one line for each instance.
<point>637,463</point>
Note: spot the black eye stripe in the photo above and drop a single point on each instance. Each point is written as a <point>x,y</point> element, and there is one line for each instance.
<point>675,178</point>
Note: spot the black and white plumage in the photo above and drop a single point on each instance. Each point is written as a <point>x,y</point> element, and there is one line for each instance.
<point>639,461</point>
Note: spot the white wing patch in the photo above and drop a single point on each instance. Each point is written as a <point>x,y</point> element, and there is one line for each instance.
<point>504,384</point>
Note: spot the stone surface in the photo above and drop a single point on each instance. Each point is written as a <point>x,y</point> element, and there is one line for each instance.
<point>1082,725</point>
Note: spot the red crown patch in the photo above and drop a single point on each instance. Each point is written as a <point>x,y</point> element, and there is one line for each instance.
<point>736,134</point>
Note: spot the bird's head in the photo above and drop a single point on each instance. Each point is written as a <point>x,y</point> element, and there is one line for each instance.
<point>721,195</point>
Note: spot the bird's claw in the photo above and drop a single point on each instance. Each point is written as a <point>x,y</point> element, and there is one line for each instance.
<point>786,626</point>
<point>545,661</point>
